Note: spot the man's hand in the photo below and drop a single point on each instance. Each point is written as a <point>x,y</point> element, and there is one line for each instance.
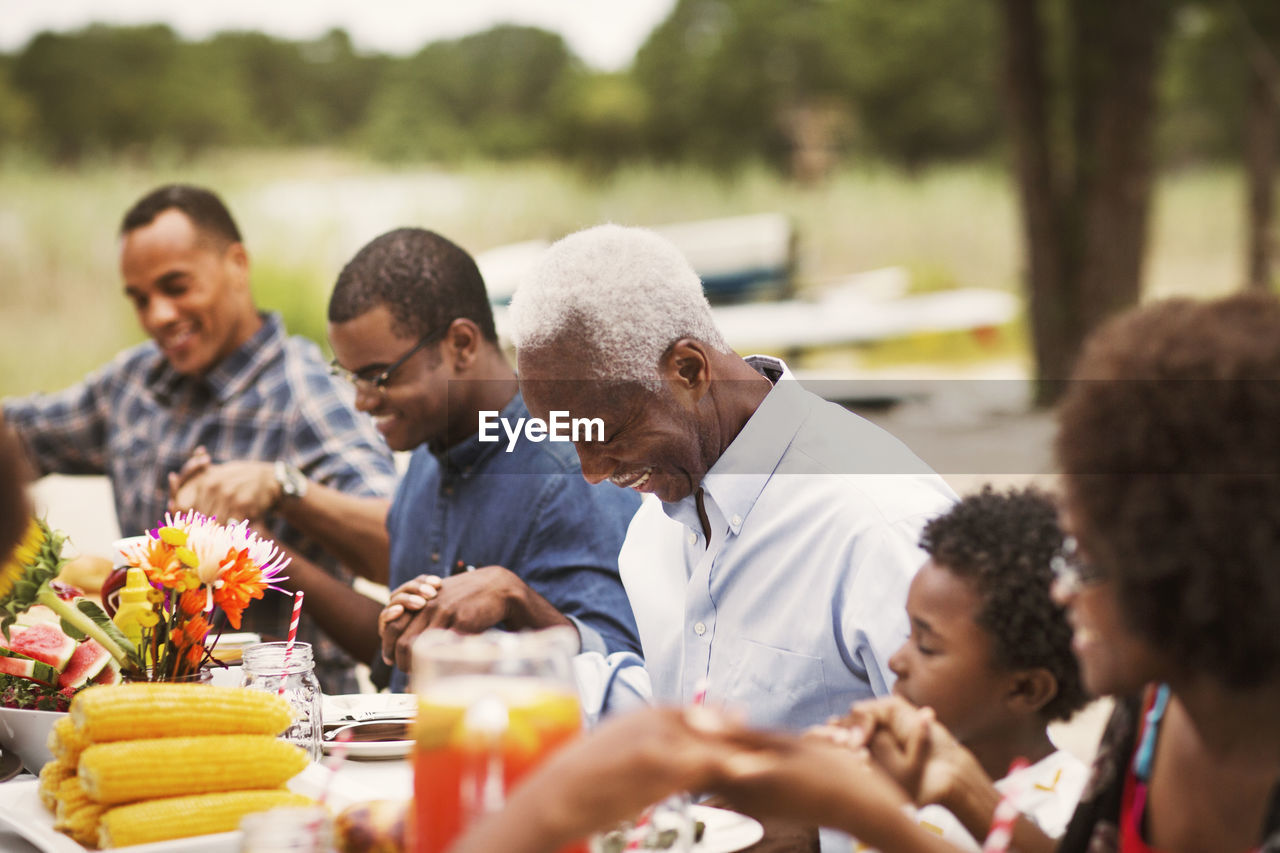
<point>468,603</point>
<point>405,602</point>
<point>229,490</point>
<point>193,467</point>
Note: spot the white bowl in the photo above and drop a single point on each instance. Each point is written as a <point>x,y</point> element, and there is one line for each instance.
<point>27,734</point>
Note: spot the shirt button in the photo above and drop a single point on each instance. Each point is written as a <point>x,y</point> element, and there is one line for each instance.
<point>435,558</point>
<point>448,490</point>
<point>700,628</point>
<point>736,520</point>
<point>693,538</point>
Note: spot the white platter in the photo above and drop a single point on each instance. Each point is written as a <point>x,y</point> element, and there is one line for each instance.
<point>22,812</point>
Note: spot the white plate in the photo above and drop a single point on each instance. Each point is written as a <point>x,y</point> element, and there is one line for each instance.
<point>22,812</point>
<point>368,749</point>
<point>351,707</point>
<point>725,831</point>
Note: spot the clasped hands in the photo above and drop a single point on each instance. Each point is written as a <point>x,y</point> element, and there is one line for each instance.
<point>469,603</point>
<point>227,490</point>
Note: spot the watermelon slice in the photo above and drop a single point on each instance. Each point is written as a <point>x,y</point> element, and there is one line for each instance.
<point>110,674</point>
<point>87,661</point>
<point>43,642</point>
<point>15,663</point>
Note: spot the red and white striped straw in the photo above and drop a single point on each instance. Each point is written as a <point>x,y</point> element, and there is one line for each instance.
<point>293,634</point>
<point>293,623</point>
<point>1000,836</point>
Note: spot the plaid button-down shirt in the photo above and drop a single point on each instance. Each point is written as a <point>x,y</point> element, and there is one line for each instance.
<point>136,419</point>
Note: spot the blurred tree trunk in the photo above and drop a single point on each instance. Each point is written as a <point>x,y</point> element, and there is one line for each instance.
<point>1080,91</point>
<point>1261,31</point>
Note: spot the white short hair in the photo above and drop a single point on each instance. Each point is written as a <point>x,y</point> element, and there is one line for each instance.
<point>627,293</point>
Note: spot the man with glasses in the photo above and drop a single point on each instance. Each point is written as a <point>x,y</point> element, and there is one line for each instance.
<point>221,382</point>
<point>479,536</point>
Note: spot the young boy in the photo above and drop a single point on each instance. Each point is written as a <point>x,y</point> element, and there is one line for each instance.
<point>990,652</point>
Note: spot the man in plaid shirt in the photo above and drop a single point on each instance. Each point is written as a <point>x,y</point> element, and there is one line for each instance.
<point>220,381</point>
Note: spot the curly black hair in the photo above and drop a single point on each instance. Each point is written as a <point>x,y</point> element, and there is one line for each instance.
<point>1002,543</point>
<point>1169,446</point>
<point>203,207</point>
<point>424,279</point>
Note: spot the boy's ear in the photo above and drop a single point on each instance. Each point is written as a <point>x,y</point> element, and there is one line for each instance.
<point>1031,690</point>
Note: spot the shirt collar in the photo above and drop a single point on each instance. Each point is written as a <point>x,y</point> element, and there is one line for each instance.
<point>740,474</point>
<point>239,369</point>
<point>231,375</point>
<point>469,452</point>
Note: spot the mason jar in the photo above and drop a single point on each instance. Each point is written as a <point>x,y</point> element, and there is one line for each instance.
<point>291,674</point>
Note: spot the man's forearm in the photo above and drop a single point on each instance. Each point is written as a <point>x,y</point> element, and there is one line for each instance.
<point>353,529</point>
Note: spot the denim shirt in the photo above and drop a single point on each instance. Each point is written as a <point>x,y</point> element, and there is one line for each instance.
<point>530,511</point>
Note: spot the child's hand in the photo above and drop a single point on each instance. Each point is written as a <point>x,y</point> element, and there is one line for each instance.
<point>913,748</point>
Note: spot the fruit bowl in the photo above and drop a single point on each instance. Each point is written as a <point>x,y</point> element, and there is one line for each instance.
<point>27,734</point>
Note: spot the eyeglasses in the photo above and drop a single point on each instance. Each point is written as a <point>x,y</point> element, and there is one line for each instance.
<point>377,383</point>
<point>1071,571</point>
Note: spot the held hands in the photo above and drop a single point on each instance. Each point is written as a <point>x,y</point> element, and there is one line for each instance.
<point>228,490</point>
<point>469,603</point>
<point>910,746</point>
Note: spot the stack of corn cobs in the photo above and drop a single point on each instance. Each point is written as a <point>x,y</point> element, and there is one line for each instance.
<point>139,763</point>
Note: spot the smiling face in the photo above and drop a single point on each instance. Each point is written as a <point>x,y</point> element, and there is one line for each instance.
<point>947,662</point>
<point>1114,660</point>
<point>653,440</point>
<point>190,291</point>
<point>413,407</point>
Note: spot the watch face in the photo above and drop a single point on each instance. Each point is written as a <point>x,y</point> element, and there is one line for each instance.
<point>292,482</point>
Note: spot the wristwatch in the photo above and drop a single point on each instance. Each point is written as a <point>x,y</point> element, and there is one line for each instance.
<point>292,482</point>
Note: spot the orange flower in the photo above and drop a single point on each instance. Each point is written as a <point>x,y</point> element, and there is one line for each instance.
<point>193,601</point>
<point>161,562</point>
<point>189,633</point>
<point>239,584</point>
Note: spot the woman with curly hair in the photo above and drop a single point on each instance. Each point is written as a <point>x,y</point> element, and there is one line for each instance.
<point>1170,453</point>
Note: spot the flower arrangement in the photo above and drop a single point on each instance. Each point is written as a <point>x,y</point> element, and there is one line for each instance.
<point>194,565</point>
<point>54,641</point>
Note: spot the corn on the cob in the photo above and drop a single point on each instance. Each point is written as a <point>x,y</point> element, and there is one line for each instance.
<point>174,766</point>
<point>66,742</point>
<point>182,817</point>
<point>52,775</point>
<point>77,815</point>
<point>121,712</point>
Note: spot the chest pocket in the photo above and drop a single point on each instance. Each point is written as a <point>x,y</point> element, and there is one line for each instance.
<point>776,687</point>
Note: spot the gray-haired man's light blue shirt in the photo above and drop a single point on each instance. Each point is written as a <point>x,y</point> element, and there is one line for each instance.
<point>791,611</point>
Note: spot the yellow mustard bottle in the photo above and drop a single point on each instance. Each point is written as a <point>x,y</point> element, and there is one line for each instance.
<point>135,612</point>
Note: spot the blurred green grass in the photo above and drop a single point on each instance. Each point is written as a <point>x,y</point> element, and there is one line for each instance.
<point>305,213</point>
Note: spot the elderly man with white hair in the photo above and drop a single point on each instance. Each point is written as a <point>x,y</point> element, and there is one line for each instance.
<point>769,570</point>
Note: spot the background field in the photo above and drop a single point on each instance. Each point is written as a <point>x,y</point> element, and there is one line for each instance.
<point>305,213</point>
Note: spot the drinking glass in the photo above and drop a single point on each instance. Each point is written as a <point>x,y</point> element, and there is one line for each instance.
<point>491,706</point>
<point>289,673</point>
